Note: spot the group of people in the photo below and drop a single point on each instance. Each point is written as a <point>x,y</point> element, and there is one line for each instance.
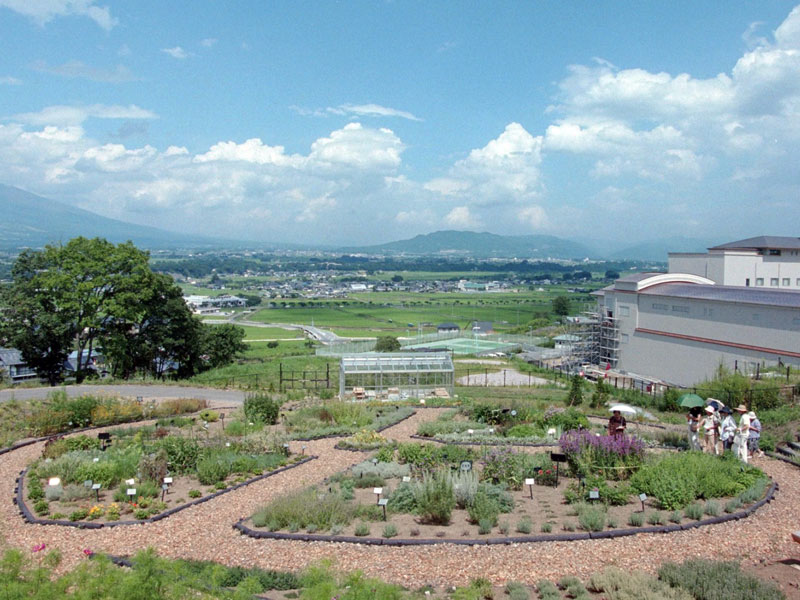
<point>714,430</point>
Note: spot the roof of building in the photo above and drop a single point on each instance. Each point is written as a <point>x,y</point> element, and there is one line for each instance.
<point>397,362</point>
<point>636,277</point>
<point>727,293</point>
<point>761,242</point>
<point>447,326</point>
<point>10,356</point>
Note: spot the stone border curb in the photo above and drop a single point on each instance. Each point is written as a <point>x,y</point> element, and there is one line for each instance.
<point>29,518</point>
<point>561,537</point>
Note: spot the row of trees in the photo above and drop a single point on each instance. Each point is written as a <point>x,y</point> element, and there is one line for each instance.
<point>90,294</point>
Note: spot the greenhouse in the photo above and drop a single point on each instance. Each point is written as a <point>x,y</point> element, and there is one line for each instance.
<point>396,376</point>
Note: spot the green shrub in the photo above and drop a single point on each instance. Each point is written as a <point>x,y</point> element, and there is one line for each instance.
<point>574,587</point>
<point>712,508</point>
<point>694,511</point>
<point>517,591</point>
<point>525,525</point>
<point>402,500</point>
<point>675,516</point>
<point>211,470</point>
<point>732,505</point>
<point>362,529</point>
<point>79,514</point>
<point>42,507</point>
<point>389,530</point>
<point>655,518</point>
<point>591,518</point>
<point>547,590</point>
<point>261,407</point>
<point>636,519</point>
<point>465,487</point>
<point>369,480</point>
<point>194,493</point>
<point>209,416</point>
<point>546,527</point>
<point>611,522</point>
<point>711,580</point>
<point>483,509</point>
<point>182,453</point>
<point>305,507</point>
<point>616,584</point>
<point>610,494</point>
<point>53,492</point>
<point>677,479</point>
<point>434,498</point>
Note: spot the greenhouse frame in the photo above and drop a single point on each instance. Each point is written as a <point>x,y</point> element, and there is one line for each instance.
<point>394,376</point>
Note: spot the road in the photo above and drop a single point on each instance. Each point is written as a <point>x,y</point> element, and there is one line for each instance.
<point>145,391</point>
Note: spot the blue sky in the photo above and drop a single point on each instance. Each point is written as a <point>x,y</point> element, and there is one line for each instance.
<point>362,122</point>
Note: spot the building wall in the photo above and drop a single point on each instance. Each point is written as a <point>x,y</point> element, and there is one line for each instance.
<point>703,333</point>
<point>742,267</point>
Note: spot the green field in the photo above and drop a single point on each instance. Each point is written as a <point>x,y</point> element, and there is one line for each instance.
<point>397,313</point>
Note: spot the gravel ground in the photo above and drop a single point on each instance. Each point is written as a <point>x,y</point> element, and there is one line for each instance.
<point>504,377</point>
<point>205,532</point>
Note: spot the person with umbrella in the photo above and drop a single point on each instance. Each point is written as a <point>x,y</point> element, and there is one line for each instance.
<point>693,421</point>
<point>617,423</point>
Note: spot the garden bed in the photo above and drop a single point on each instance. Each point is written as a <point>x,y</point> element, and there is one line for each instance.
<point>455,495</point>
<point>146,471</point>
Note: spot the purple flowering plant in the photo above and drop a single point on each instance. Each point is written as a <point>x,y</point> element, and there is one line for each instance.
<point>612,457</point>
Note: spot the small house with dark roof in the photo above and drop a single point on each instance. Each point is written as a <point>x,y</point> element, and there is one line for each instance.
<point>447,328</point>
<point>14,367</point>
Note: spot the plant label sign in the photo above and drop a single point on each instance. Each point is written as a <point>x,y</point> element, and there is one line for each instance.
<point>558,457</point>
<point>406,479</point>
<point>88,483</point>
<point>383,502</point>
<point>377,491</point>
<point>594,495</point>
<point>167,480</point>
<point>131,492</point>
<point>96,486</point>
<point>529,481</point>
<point>54,481</point>
<point>643,497</point>
<point>466,465</point>
<point>130,481</point>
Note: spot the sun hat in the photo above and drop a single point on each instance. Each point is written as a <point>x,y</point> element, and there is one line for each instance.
<point>751,414</point>
<point>725,410</point>
<point>710,409</point>
<point>741,408</point>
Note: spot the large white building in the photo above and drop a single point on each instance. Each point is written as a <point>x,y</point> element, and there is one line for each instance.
<point>764,261</point>
<point>679,327</point>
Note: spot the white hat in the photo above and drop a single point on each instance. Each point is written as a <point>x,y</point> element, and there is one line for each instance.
<point>751,414</point>
<point>710,409</point>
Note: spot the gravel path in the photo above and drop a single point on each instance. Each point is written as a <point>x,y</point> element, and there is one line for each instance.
<point>146,391</point>
<point>205,532</point>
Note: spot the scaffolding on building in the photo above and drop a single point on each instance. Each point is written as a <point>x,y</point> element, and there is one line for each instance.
<point>396,376</point>
<point>608,341</point>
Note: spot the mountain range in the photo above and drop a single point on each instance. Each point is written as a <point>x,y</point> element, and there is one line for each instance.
<point>31,221</point>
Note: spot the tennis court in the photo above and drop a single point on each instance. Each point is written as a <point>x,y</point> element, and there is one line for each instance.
<point>463,346</point>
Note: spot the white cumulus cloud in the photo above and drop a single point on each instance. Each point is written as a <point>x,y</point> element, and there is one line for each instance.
<point>176,52</point>
<point>44,11</point>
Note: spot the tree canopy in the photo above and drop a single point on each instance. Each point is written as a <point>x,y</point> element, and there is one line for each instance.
<point>89,294</point>
<point>387,343</point>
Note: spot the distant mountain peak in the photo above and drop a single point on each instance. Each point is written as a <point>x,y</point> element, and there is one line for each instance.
<point>482,245</point>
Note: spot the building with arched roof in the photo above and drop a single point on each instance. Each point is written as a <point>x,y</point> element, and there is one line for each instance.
<point>679,327</point>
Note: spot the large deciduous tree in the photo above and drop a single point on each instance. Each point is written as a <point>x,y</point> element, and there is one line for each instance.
<point>90,292</point>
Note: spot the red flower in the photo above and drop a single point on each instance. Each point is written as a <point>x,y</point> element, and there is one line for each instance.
<point>87,552</point>
<point>549,471</point>
<point>38,547</point>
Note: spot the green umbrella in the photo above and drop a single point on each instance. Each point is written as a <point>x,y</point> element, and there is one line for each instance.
<point>691,401</point>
